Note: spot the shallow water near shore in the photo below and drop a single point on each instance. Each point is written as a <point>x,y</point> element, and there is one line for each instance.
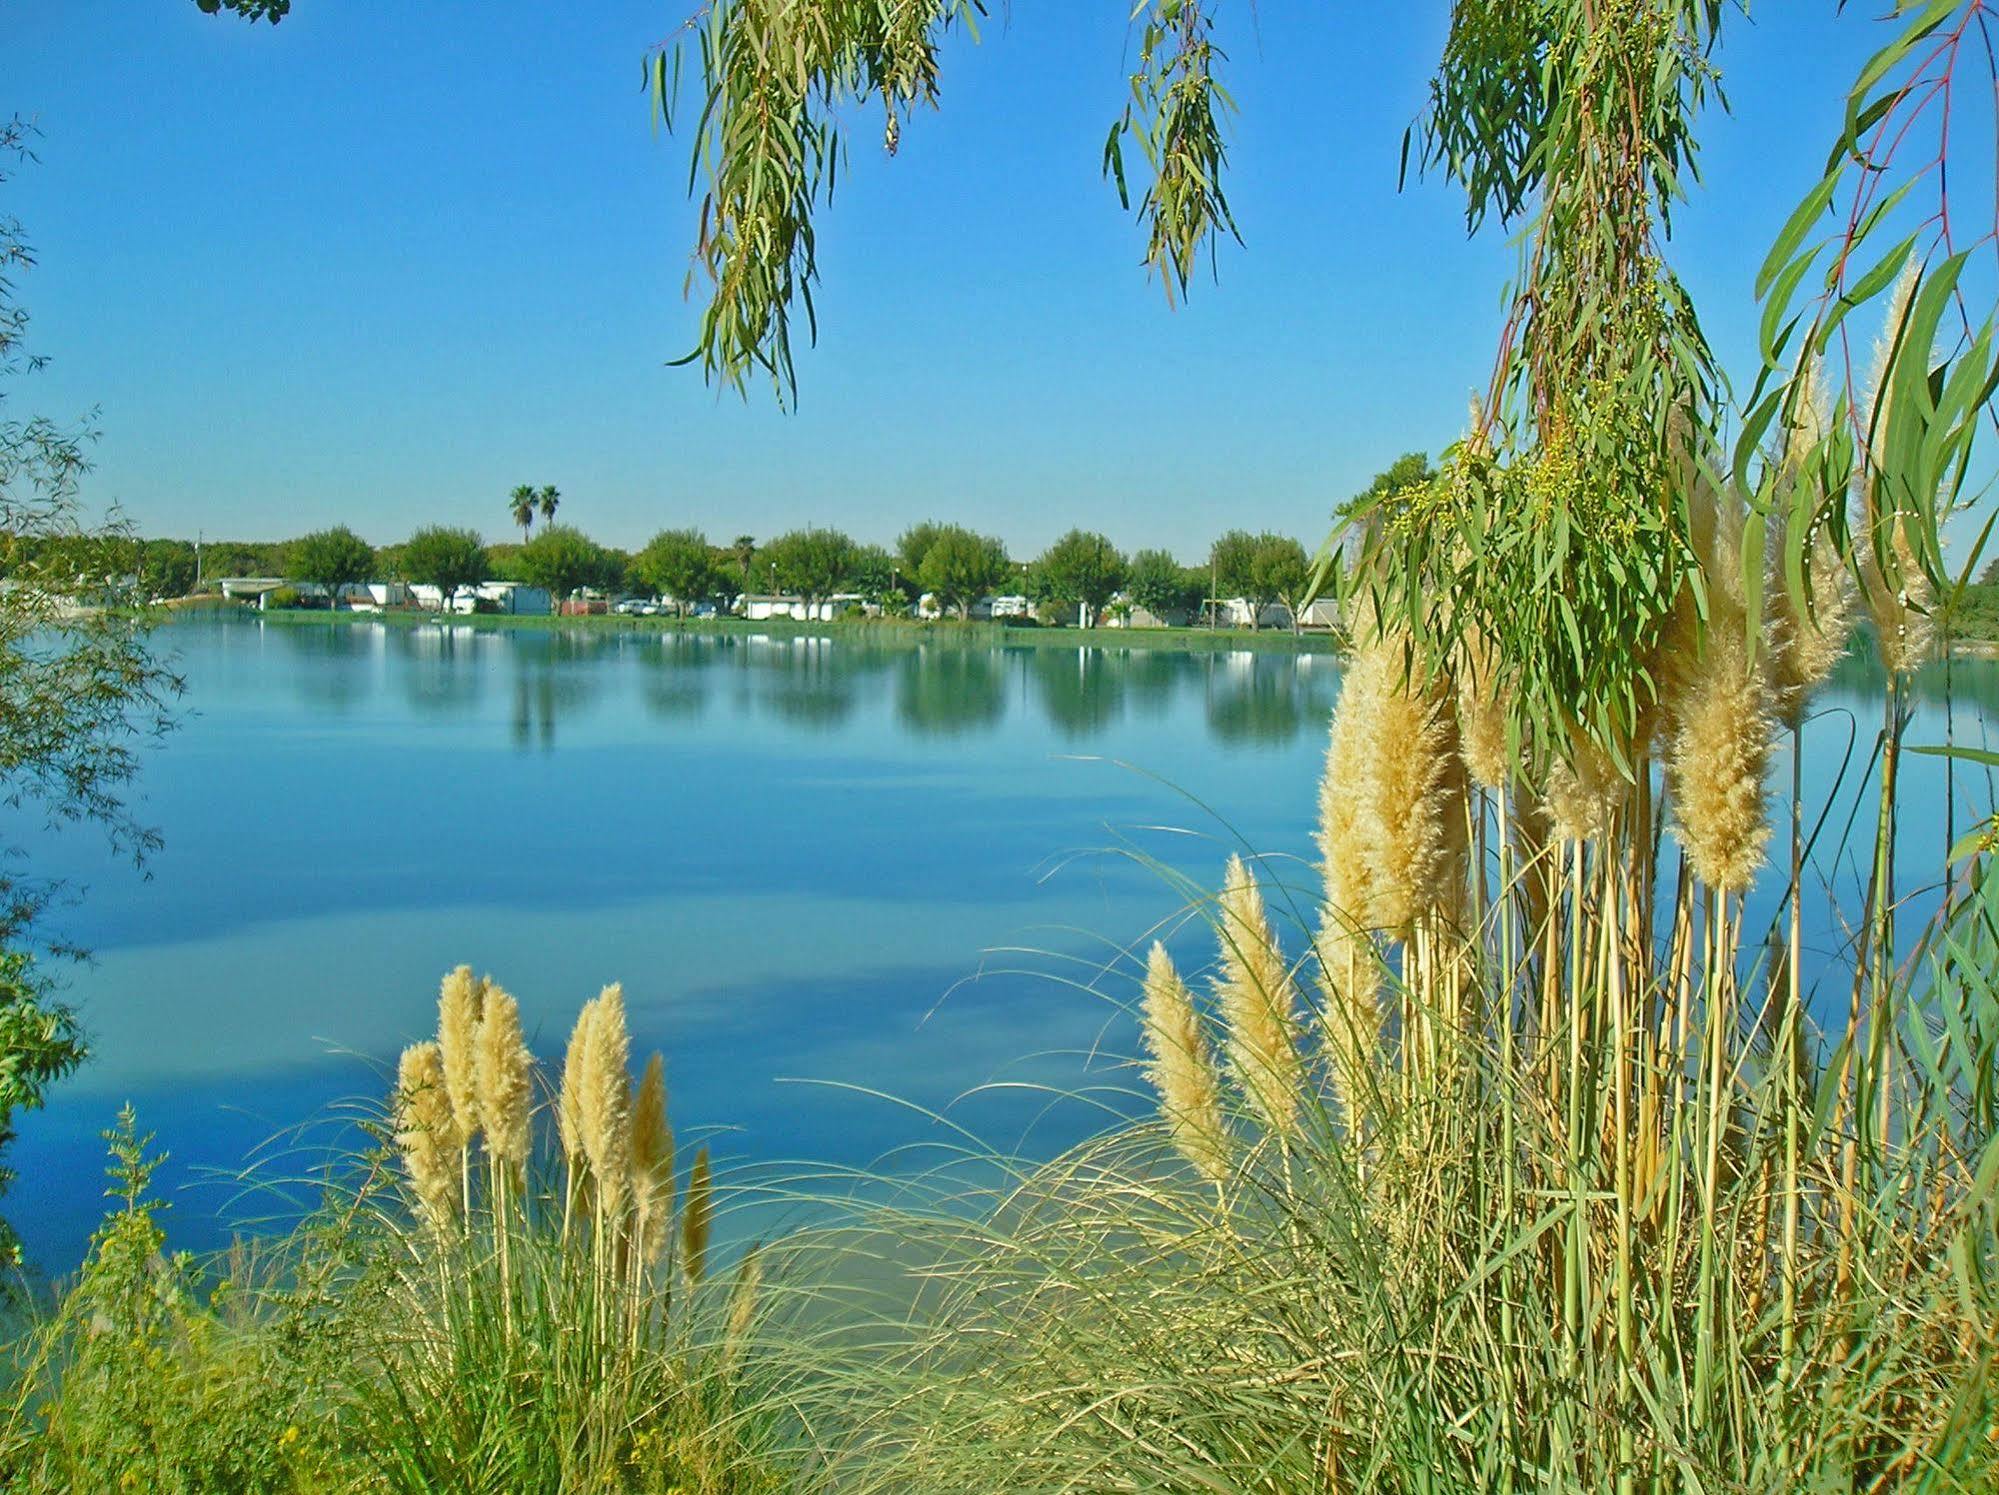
<point>822,866</point>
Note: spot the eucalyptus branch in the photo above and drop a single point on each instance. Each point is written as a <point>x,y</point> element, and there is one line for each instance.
<point>777,77</point>
<point>774,75</point>
<point>1175,114</point>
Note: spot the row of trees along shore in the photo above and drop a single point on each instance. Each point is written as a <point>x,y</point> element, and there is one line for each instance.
<point>950,563</point>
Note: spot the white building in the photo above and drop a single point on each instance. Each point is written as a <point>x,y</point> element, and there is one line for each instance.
<point>513,597</point>
<point>381,594</point>
<point>1236,612</point>
<point>253,587</point>
<point>762,607</point>
<point>927,606</point>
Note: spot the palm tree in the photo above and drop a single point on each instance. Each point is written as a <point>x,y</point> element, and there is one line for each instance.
<point>548,498</point>
<point>745,550</point>
<point>521,503</point>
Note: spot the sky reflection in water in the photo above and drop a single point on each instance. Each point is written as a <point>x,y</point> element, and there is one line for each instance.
<point>884,865</point>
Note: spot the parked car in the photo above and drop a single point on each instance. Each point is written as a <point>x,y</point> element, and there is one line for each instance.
<point>638,607</point>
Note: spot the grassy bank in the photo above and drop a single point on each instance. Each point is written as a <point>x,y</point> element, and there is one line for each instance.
<point>886,630</point>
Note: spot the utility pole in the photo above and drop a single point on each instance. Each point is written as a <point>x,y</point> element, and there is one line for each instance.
<point>197,560</point>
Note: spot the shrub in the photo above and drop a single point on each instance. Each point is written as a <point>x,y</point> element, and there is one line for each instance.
<point>467,1311</point>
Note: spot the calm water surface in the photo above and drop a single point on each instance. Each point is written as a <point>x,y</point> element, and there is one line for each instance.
<point>893,867</point>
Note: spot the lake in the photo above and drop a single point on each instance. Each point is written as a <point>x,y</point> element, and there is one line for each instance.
<point>822,866</point>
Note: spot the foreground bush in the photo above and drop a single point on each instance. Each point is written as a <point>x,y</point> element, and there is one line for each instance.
<point>453,1320</point>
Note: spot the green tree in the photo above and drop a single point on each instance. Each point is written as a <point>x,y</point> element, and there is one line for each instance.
<point>677,563</point>
<point>166,568</point>
<point>814,563</point>
<point>444,558</point>
<point>334,558</point>
<point>874,575</point>
<point>547,499</point>
<point>1231,561</point>
<point>1410,470</point>
<point>520,505</point>
<point>1260,569</point>
<point>1161,585</point>
<point>1083,568</point>
<point>914,544</point>
<point>744,549</point>
<point>959,567</point>
<point>563,560</point>
<point>1280,570</point>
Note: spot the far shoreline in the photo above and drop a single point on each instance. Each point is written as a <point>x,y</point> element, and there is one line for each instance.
<point>888,630</point>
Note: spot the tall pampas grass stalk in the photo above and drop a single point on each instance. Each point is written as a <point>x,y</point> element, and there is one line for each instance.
<point>505,1081</point>
<point>652,1162</point>
<point>1392,816</point>
<point>569,1114</point>
<point>427,1134</point>
<point>1719,762</point>
<point>1181,1069</point>
<point>1899,595</point>
<point>460,1005</point>
<point>604,1118</point>
<point>505,1073</point>
<point>1810,629</point>
<point>1900,598</point>
<point>697,1219</point>
<point>1812,626</point>
<point>1258,1000</point>
<point>1482,711</point>
<point>1350,1015</point>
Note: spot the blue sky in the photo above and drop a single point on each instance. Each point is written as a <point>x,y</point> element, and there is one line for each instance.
<point>386,260</point>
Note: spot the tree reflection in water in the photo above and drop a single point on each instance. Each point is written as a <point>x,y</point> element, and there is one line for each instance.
<point>554,675</point>
<point>339,663</point>
<point>1268,698</point>
<point>945,691</point>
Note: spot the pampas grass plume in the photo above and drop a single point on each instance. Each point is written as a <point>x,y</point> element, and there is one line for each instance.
<point>743,1300</point>
<point>1343,854</point>
<point>505,1071</point>
<point>697,1218</point>
<point>1482,711</point>
<point>1583,793</point>
<point>1719,757</point>
<point>1808,641</point>
<point>1899,603</point>
<point>1392,800</point>
<point>460,1005</point>
<point>652,1159</point>
<point>1808,633</point>
<point>1350,1010</point>
<point>603,1116</point>
<point>569,1100</point>
<point>1258,1001</point>
<point>1181,1068</point>
<point>426,1132</point>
